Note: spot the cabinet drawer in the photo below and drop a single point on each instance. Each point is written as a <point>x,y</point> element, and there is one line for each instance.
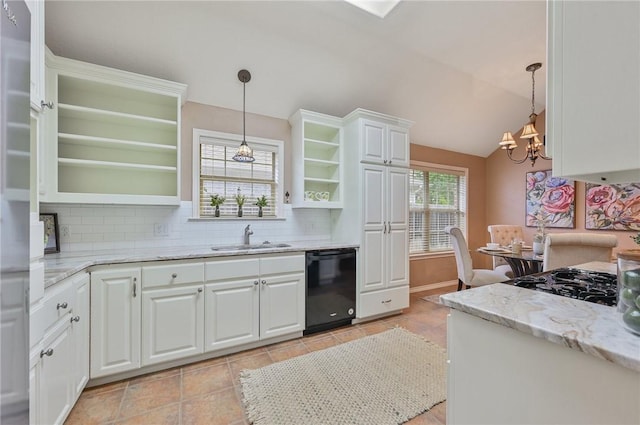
<point>232,269</point>
<point>57,302</point>
<point>282,264</point>
<point>384,301</point>
<point>172,274</point>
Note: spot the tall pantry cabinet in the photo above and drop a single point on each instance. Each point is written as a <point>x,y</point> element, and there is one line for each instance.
<point>377,146</point>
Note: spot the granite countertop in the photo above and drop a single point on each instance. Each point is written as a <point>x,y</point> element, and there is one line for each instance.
<point>592,328</point>
<point>63,265</point>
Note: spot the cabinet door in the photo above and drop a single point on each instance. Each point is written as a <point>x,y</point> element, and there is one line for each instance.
<point>281,304</point>
<point>14,333</point>
<point>36,8</point>
<point>397,241</point>
<point>80,321</point>
<point>373,146</point>
<point>398,146</point>
<point>115,321</point>
<point>372,267</point>
<point>231,313</point>
<point>172,323</point>
<point>55,381</point>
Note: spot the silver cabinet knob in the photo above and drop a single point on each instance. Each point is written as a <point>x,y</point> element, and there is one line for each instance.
<point>264,282</point>
<point>199,290</point>
<point>255,282</point>
<point>62,305</point>
<point>44,104</point>
<point>75,319</point>
<point>174,275</point>
<point>47,353</point>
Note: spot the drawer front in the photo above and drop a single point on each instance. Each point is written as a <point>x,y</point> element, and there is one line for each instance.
<point>232,269</point>
<point>58,301</point>
<point>172,274</point>
<point>384,301</point>
<point>282,264</point>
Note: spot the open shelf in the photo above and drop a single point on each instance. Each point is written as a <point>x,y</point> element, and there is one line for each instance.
<point>92,114</point>
<point>112,165</point>
<point>105,142</point>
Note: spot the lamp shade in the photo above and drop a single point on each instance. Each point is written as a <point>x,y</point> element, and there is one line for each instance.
<point>507,141</point>
<point>244,154</point>
<point>529,132</point>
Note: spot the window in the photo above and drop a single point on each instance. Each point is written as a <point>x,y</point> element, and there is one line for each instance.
<point>216,173</point>
<point>437,199</point>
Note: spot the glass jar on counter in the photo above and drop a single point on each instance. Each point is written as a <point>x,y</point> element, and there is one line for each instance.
<point>629,288</point>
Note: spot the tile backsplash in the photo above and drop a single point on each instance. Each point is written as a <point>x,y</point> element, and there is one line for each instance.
<point>98,227</point>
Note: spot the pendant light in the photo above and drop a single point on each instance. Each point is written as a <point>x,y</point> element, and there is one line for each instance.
<point>245,153</point>
<point>529,132</point>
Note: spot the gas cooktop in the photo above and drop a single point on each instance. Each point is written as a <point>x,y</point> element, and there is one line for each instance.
<point>595,287</point>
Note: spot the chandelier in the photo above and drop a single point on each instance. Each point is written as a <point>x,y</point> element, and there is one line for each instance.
<point>529,132</point>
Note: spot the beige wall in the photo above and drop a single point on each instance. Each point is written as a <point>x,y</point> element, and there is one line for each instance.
<point>425,271</point>
<point>505,200</point>
<point>197,115</point>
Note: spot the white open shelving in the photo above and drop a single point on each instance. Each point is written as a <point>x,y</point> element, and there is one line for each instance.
<point>116,136</point>
<point>317,160</point>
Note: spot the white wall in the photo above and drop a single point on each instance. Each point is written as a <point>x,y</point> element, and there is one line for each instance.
<point>98,227</point>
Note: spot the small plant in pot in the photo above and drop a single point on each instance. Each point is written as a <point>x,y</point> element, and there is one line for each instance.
<point>261,202</point>
<point>216,201</point>
<point>240,198</point>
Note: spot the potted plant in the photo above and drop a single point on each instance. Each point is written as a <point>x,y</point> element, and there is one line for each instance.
<point>261,202</point>
<point>216,201</point>
<point>240,198</point>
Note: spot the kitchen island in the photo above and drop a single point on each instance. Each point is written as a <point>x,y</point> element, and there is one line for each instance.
<point>522,356</point>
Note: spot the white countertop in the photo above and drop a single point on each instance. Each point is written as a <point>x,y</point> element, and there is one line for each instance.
<point>63,265</point>
<point>592,328</point>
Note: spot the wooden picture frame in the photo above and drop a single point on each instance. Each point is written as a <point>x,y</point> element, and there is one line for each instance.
<point>51,232</point>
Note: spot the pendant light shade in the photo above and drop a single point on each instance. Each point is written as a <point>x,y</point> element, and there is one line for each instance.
<point>244,153</point>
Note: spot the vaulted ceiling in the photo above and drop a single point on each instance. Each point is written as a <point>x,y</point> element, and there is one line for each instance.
<point>455,68</point>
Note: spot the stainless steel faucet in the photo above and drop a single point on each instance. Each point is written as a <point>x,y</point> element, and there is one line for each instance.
<point>247,232</point>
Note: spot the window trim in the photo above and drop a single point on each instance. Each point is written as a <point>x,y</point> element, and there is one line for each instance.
<point>269,144</point>
<point>443,168</point>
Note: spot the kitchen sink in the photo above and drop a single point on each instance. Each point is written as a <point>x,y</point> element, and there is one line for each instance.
<point>265,245</point>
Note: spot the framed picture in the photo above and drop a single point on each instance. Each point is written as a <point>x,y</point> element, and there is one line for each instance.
<point>51,233</point>
<point>551,199</point>
<point>612,207</point>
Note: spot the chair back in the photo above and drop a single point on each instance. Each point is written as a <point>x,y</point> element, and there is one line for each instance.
<point>463,258</point>
<point>504,234</point>
<point>570,249</point>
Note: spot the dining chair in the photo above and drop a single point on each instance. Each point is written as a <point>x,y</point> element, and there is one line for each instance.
<point>570,249</point>
<point>504,234</point>
<point>467,275</point>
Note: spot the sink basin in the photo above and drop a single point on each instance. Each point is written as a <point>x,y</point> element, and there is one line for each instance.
<point>250,247</point>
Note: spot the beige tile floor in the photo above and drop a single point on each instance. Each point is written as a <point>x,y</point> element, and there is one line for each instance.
<point>209,392</point>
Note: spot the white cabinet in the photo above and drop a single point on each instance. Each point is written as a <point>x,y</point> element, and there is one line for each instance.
<point>172,311</point>
<point>115,321</point>
<point>317,160</point>
<point>593,90</point>
<point>36,8</point>
<point>253,298</point>
<point>385,244</point>
<point>59,360</point>
<point>378,212</point>
<point>384,143</point>
<point>114,136</point>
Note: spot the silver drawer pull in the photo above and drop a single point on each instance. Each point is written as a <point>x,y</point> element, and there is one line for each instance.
<point>47,353</point>
<point>199,290</point>
<point>44,104</point>
<point>135,286</point>
<point>75,319</point>
<point>62,305</point>
<point>174,275</point>
<point>386,301</point>
<point>256,282</point>
<point>264,282</point>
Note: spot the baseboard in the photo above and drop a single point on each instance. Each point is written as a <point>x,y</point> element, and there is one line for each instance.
<point>436,285</point>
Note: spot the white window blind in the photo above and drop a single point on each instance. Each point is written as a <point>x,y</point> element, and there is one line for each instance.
<point>221,175</point>
<point>437,199</point>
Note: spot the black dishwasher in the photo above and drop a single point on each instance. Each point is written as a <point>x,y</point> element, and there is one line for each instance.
<point>331,289</point>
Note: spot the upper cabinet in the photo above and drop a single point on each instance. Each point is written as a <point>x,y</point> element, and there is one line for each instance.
<point>114,136</point>
<point>36,8</point>
<point>382,139</point>
<point>316,160</point>
<point>593,90</point>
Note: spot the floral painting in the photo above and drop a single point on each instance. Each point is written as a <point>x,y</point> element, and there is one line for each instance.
<point>612,207</point>
<point>551,199</point>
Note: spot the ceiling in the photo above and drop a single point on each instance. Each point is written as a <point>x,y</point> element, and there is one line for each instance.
<point>455,68</point>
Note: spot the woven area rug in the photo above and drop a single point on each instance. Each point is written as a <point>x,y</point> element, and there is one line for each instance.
<point>387,378</point>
